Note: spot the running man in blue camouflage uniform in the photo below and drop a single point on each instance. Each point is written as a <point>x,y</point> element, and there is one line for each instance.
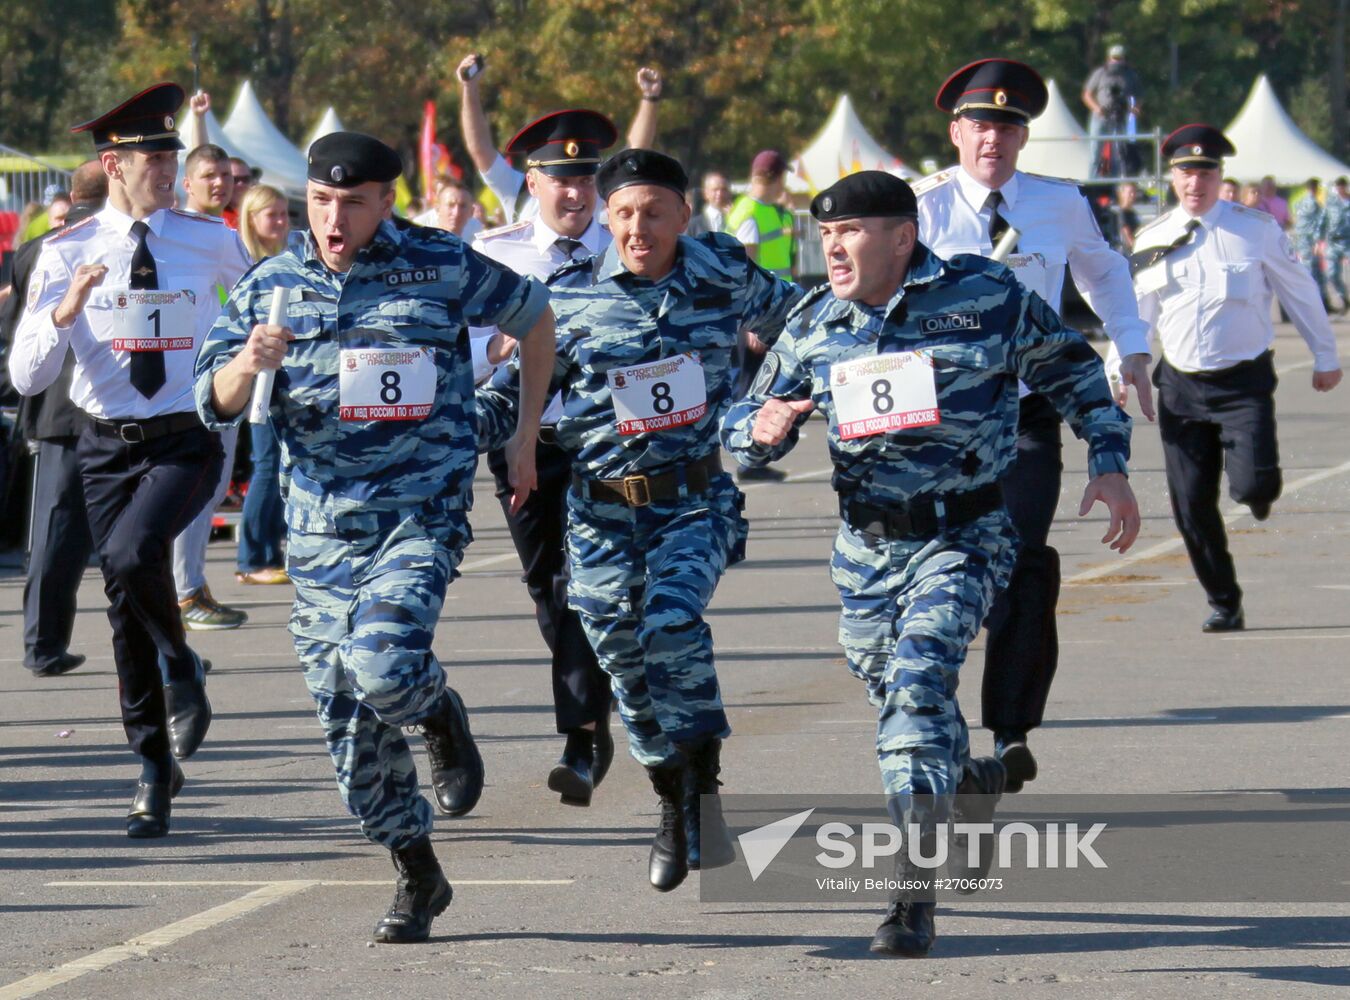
<point>1337,214</point>
<point>646,336</point>
<point>373,408</point>
<point>914,361</point>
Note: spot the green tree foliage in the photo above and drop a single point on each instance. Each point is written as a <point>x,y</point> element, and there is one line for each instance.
<point>740,74</point>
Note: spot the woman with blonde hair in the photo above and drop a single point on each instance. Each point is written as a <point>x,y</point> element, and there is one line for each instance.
<point>264,221</point>
<point>264,224</point>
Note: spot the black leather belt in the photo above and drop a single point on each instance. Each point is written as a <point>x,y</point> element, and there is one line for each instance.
<point>136,431</point>
<point>923,518</point>
<point>639,491</point>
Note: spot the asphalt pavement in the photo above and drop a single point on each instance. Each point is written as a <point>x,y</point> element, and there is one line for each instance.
<point>266,889</point>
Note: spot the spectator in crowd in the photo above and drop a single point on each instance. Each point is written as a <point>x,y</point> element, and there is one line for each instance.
<point>1338,237</point>
<point>58,209</point>
<point>454,210</point>
<point>712,217</point>
<point>242,175</point>
<point>207,180</point>
<point>1251,196</point>
<point>1271,203</point>
<point>1127,219</point>
<point>31,217</point>
<point>1112,95</point>
<point>1310,229</point>
<point>264,225</point>
<point>1229,189</point>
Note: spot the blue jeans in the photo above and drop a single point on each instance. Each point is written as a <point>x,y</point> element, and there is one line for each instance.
<point>264,520</point>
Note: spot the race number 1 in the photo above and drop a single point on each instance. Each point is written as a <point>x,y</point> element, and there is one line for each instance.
<point>884,392</point>
<point>152,320</point>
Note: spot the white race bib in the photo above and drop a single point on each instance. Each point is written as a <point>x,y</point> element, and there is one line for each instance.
<point>1031,272</point>
<point>884,392</point>
<point>658,395</point>
<point>386,383</point>
<point>153,320</point>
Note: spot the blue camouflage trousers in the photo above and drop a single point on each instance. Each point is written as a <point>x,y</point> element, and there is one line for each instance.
<point>641,579</point>
<point>366,602</point>
<point>910,610</point>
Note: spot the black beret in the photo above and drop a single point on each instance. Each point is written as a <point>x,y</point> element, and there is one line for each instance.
<point>564,143</point>
<point>1197,146</point>
<point>347,159</point>
<point>866,193</point>
<point>994,90</point>
<point>640,166</point>
<point>142,122</point>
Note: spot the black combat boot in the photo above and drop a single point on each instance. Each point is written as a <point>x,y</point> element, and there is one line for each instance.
<point>456,765</point>
<point>704,815</point>
<point>602,742</point>
<point>421,895</point>
<point>909,930</point>
<point>669,862</point>
<point>976,797</point>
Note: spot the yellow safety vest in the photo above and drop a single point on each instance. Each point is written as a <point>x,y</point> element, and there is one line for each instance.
<point>775,233</point>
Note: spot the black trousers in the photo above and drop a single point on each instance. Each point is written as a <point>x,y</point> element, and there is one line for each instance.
<point>581,690</point>
<point>1023,642</point>
<point>139,498</point>
<point>1209,422</point>
<point>60,553</point>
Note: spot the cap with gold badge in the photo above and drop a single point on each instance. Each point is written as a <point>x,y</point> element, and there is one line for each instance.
<point>145,122</point>
<point>1197,146</point>
<point>564,143</point>
<point>994,90</point>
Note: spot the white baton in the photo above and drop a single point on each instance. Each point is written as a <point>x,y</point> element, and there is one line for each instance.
<point>1005,245</point>
<point>262,385</point>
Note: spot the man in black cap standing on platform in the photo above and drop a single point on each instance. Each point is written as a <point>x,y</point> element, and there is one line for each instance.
<point>967,209</point>
<point>1204,273</point>
<point>562,153</point>
<point>131,290</point>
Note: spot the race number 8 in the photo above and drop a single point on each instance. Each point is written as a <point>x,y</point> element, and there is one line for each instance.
<point>390,392</point>
<point>661,401</point>
<point>882,400</point>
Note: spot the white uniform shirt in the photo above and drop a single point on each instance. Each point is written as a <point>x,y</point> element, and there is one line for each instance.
<point>193,253</point>
<point>529,248</point>
<point>1056,222</point>
<point>505,181</point>
<point>1210,299</point>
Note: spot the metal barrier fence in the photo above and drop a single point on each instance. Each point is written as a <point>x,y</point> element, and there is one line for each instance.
<point>23,179</point>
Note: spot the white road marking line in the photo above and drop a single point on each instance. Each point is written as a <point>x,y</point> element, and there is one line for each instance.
<point>795,477</point>
<point>1280,638</point>
<point>301,883</point>
<point>140,947</point>
<point>1162,548</point>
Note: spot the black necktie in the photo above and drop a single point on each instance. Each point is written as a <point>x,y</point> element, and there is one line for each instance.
<point>1147,258</point>
<point>998,225</point>
<point>567,245</point>
<point>147,367</point>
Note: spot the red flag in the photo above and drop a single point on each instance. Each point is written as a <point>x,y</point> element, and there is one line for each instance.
<point>426,149</point>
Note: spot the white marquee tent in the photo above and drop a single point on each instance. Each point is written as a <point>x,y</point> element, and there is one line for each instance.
<point>1057,146</point>
<point>262,144</point>
<point>328,124</point>
<point>841,147</point>
<point>1268,142</point>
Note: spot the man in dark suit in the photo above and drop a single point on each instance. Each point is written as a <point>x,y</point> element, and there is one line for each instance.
<point>61,543</point>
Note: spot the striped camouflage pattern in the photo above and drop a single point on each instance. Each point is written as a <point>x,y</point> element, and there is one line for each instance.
<point>410,288</point>
<point>642,578</point>
<point>912,607</point>
<point>377,510</point>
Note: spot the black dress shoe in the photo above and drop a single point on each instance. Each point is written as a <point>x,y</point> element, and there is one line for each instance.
<point>572,777</point>
<point>602,751</point>
<point>1224,621</point>
<point>456,765</point>
<point>63,664</point>
<point>1260,509</point>
<point>189,714</point>
<point>1018,761</point>
<point>149,814</point>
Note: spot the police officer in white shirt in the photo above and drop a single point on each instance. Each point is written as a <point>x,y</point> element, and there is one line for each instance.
<point>1204,273</point>
<point>966,209</point>
<point>562,154</point>
<point>131,290</point>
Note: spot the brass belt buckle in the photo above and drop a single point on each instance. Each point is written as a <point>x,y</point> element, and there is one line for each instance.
<point>636,491</point>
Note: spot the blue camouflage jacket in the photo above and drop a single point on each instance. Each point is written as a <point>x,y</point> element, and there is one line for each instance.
<point>609,318</point>
<point>415,288</point>
<point>982,332</point>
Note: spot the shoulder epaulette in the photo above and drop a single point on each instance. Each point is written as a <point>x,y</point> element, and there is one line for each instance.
<point>972,263</point>
<point>514,227</point>
<point>933,181</point>
<point>197,216</point>
<point>1053,180</point>
<point>61,234</point>
<point>1258,213</point>
<point>1144,229</point>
